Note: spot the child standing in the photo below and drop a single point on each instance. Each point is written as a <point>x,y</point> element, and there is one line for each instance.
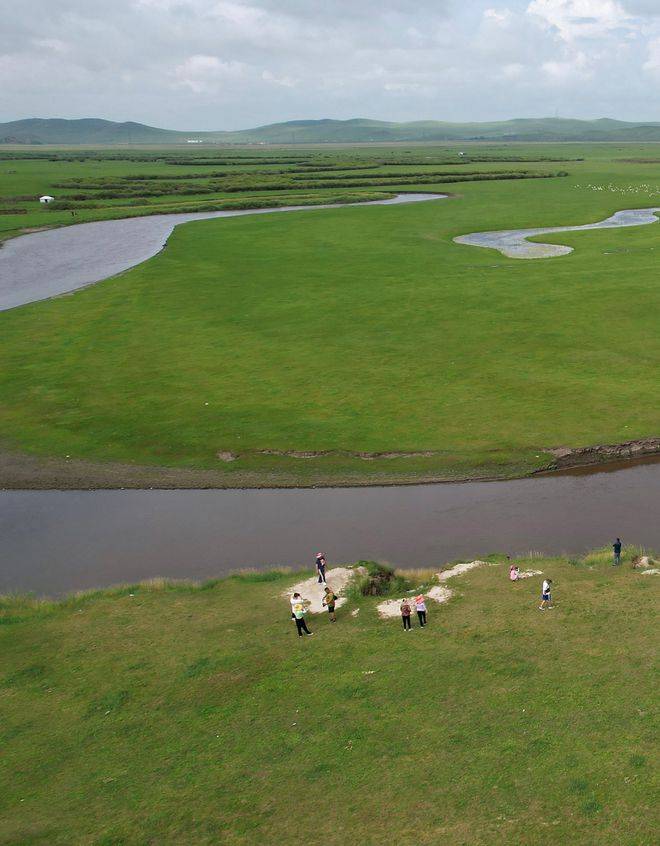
<point>329,600</point>
<point>546,596</point>
<point>405,614</point>
<point>420,606</point>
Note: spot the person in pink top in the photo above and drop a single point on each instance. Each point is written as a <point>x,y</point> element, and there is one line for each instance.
<point>514,572</point>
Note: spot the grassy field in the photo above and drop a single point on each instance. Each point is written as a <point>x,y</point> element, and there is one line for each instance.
<point>349,331</point>
<point>177,714</point>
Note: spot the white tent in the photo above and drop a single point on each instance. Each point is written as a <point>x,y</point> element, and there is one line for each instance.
<point>46,199</point>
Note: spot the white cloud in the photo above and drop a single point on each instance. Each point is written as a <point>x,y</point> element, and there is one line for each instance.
<point>582,18</point>
<point>567,71</point>
<point>652,63</point>
<point>223,64</point>
<point>203,74</point>
<point>285,81</point>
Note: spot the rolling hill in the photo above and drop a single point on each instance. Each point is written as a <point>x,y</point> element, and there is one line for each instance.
<point>355,131</point>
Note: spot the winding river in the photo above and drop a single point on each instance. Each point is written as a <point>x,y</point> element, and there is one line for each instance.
<point>54,542</point>
<point>514,244</point>
<point>57,261</point>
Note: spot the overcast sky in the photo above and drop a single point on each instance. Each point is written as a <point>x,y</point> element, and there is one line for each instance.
<point>232,64</point>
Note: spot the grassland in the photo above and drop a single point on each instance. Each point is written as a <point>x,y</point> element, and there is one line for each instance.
<point>163,714</point>
<point>342,333</point>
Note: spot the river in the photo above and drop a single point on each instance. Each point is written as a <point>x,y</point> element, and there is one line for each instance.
<point>54,542</point>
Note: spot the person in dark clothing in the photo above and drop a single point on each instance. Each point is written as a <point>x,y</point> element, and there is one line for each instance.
<point>420,605</point>
<point>405,614</point>
<point>301,625</point>
<point>616,546</point>
<point>320,567</point>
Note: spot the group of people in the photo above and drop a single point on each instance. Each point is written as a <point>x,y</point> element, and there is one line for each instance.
<point>406,612</point>
<point>299,606</point>
<point>546,587</point>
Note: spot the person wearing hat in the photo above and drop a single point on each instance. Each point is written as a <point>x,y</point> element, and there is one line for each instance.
<point>320,567</point>
<point>420,606</point>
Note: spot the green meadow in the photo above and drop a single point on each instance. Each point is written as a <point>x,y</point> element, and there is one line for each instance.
<point>344,332</point>
<point>169,714</point>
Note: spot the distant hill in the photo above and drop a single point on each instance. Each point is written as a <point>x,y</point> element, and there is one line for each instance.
<point>358,130</point>
<point>86,131</point>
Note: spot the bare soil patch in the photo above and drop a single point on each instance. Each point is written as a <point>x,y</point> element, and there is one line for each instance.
<point>337,579</point>
<point>566,457</point>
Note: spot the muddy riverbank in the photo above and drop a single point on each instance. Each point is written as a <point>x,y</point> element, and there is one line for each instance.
<point>19,471</point>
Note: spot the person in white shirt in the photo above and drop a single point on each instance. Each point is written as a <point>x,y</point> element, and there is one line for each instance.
<point>546,595</point>
<point>299,608</point>
<point>420,607</point>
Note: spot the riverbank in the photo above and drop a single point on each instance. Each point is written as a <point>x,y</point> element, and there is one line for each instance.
<point>19,471</point>
<point>192,713</point>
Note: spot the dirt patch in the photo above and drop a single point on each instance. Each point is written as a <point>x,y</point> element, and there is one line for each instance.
<point>337,579</point>
<point>459,569</point>
<point>439,593</point>
<point>226,456</point>
<point>639,562</point>
<point>527,574</point>
<point>603,453</point>
<point>365,456</point>
<point>652,572</point>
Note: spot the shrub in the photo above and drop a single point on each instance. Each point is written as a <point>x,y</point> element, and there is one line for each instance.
<point>378,580</point>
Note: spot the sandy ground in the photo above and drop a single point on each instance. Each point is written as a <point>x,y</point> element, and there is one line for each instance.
<point>438,593</point>
<point>337,579</point>
<point>459,569</point>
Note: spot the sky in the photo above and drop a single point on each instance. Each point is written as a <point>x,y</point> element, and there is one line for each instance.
<point>235,64</point>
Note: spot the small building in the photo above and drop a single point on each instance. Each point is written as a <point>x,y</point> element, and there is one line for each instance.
<point>46,199</point>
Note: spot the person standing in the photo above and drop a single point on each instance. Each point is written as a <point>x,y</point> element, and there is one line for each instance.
<point>546,595</point>
<point>320,567</point>
<point>616,546</point>
<point>420,606</point>
<point>298,610</point>
<point>405,615</point>
<point>329,600</point>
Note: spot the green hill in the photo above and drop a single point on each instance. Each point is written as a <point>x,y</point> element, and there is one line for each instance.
<point>86,131</point>
<point>357,130</point>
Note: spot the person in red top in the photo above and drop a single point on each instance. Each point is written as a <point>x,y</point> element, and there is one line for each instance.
<point>405,614</point>
<point>320,567</point>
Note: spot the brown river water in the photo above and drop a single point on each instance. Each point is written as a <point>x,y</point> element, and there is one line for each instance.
<point>54,542</point>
